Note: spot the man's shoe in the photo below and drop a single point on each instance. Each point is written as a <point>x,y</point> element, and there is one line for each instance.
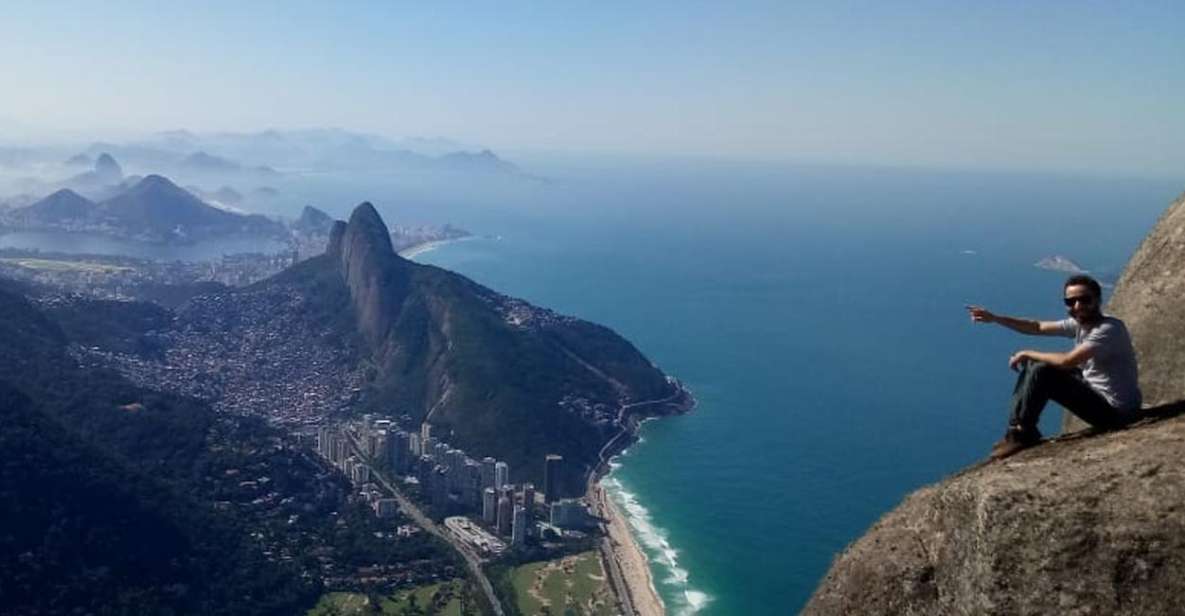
<point>1013,442</point>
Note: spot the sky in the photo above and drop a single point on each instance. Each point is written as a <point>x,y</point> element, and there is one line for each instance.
<point>1079,86</point>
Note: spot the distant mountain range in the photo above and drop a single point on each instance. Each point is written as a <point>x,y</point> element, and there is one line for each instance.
<point>152,208</point>
<point>316,149</point>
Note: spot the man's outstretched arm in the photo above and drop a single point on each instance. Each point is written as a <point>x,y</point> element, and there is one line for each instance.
<point>980,314</point>
<point>1069,359</point>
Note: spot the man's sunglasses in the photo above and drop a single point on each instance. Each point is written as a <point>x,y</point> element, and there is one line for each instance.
<point>1085,299</point>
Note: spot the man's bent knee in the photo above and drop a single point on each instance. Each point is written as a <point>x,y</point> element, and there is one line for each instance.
<point>1039,369</point>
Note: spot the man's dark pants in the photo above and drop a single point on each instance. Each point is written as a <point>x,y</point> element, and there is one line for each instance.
<point>1040,382</point>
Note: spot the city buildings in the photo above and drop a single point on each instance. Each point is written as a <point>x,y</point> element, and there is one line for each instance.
<point>501,474</point>
<point>489,507</point>
<point>570,514</point>
<point>529,498</point>
<point>505,513</point>
<point>552,468</point>
<point>386,507</point>
<point>518,536</point>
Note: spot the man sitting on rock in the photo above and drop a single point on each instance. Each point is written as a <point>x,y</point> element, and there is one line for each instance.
<point>1096,380</point>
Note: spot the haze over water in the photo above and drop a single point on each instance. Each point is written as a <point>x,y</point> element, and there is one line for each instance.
<point>817,315</point>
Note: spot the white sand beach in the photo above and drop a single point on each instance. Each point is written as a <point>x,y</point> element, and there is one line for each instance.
<point>628,559</point>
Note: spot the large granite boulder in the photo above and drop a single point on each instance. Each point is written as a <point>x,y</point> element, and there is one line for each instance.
<point>1088,524</point>
<point>1082,526</point>
<point>1149,299</point>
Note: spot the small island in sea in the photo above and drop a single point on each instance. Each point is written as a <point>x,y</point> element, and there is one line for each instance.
<point>1059,263</point>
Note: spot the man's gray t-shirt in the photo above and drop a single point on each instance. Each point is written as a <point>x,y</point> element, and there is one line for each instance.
<point>1112,370</point>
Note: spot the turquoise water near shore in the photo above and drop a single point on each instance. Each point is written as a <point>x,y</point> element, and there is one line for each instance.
<point>95,244</point>
<point>817,316</point>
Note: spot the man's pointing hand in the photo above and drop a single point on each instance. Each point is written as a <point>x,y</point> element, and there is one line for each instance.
<point>980,314</point>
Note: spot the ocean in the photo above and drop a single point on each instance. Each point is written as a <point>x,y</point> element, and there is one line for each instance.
<point>817,314</point>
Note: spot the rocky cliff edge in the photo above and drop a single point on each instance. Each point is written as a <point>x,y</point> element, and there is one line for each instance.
<point>1088,524</point>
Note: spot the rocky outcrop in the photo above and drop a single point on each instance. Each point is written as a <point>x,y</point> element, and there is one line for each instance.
<point>336,232</point>
<point>1148,299</point>
<point>376,277</point>
<point>1087,524</point>
<point>493,375</point>
<point>313,221</point>
<point>107,170</point>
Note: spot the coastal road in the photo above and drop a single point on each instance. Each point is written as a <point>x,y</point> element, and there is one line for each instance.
<point>412,511</point>
<point>624,431</point>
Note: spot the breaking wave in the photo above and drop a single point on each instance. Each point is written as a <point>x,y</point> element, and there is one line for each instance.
<point>674,581</point>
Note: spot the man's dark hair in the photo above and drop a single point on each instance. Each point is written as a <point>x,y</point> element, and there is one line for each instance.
<point>1086,281</point>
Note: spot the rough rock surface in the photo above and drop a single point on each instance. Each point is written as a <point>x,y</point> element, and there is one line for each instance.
<point>378,278</point>
<point>1082,526</point>
<point>1087,524</point>
<point>1148,299</point>
<point>493,375</point>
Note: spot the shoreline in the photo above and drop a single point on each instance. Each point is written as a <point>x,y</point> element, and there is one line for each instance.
<point>626,565</point>
<point>415,250</point>
<point>631,565</point>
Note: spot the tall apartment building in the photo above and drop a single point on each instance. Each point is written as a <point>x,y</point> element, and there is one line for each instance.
<point>552,469</point>
<point>501,474</point>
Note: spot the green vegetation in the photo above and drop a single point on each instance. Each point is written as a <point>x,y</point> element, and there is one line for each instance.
<point>101,511</point>
<point>123,327</point>
<point>121,500</point>
<point>443,599</point>
<point>573,585</point>
<point>55,265</point>
<point>424,327</point>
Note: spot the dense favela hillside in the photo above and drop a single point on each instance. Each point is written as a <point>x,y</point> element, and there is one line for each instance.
<point>1090,524</point>
<point>158,457</point>
<point>122,499</point>
<point>493,375</point>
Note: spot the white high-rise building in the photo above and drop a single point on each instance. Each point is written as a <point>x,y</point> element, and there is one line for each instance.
<point>518,535</point>
<point>505,515</point>
<point>487,473</point>
<point>501,474</point>
<point>489,506</point>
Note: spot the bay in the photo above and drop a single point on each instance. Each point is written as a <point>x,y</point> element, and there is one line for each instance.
<point>96,244</point>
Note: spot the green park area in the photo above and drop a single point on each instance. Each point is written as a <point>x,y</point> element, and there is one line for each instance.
<point>433,600</point>
<point>54,265</point>
<point>572,585</point>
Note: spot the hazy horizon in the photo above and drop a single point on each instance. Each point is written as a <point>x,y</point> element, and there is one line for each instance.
<point>1067,88</point>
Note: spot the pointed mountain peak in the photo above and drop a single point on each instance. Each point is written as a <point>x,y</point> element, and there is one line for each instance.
<point>66,194</point>
<point>105,165</point>
<point>157,184</point>
<point>64,204</point>
<point>366,226</point>
<point>379,280</point>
